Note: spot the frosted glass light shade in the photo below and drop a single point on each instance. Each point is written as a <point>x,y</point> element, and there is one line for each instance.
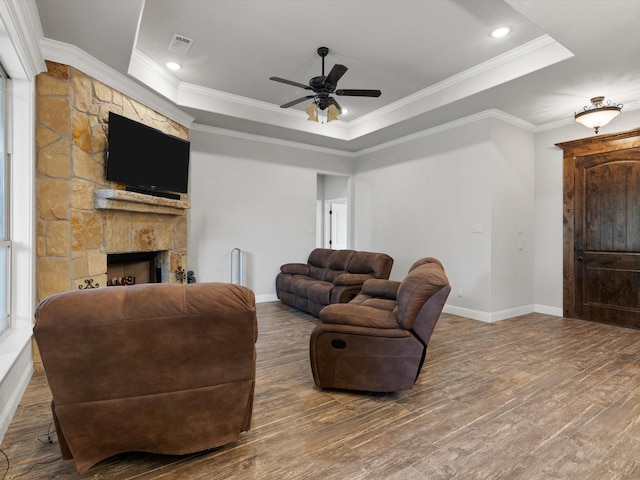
<point>597,114</point>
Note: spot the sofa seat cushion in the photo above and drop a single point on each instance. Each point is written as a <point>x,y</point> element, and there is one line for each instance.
<point>286,281</point>
<point>300,285</point>
<point>320,292</point>
<point>358,316</point>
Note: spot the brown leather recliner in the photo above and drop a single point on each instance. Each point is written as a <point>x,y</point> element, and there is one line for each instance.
<point>377,342</point>
<point>159,368</point>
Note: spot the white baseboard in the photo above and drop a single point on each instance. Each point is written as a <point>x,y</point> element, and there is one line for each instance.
<point>490,317</point>
<point>468,313</point>
<point>547,310</point>
<point>271,297</point>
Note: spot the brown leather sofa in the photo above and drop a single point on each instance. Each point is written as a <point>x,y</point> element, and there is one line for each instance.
<point>159,368</point>
<point>377,342</point>
<point>329,276</point>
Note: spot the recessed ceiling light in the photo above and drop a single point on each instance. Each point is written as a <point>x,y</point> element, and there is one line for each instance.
<point>500,32</point>
<point>173,66</point>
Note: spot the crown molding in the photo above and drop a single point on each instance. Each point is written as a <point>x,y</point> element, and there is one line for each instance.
<point>493,114</point>
<point>270,140</point>
<point>466,75</point>
<point>22,27</point>
<point>67,54</point>
<point>153,75</point>
<point>485,115</point>
<point>517,62</point>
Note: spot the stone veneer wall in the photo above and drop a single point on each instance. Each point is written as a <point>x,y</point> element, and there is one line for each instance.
<point>73,236</point>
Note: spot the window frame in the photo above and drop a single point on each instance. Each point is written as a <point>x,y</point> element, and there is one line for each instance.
<point>5,223</point>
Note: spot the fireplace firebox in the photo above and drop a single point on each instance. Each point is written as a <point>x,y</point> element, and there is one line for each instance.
<point>133,268</point>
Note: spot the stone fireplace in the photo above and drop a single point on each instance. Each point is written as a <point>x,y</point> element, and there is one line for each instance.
<point>82,218</point>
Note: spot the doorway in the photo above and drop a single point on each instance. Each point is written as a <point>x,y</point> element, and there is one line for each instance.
<point>602,229</point>
<point>333,212</point>
<point>335,224</point>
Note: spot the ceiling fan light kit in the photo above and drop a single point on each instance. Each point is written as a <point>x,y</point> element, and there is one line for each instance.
<point>598,114</point>
<point>322,87</point>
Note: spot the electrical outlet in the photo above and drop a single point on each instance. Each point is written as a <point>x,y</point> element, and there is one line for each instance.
<point>476,228</point>
<point>459,292</point>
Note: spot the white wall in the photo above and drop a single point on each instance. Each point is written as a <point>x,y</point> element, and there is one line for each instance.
<point>420,199</point>
<point>464,196</point>
<point>513,220</point>
<point>335,187</point>
<point>548,206</point>
<point>258,196</point>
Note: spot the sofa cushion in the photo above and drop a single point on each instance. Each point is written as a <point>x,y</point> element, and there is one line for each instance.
<point>320,292</point>
<point>317,273</point>
<point>341,259</point>
<point>319,257</point>
<point>377,265</point>
<point>300,285</point>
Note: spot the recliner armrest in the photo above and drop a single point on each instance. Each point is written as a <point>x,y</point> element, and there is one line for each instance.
<point>358,315</point>
<point>350,279</point>
<point>295,268</point>
<point>379,288</point>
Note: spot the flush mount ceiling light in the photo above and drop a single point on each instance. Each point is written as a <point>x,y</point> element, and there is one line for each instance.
<point>500,32</point>
<point>173,66</point>
<point>598,114</point>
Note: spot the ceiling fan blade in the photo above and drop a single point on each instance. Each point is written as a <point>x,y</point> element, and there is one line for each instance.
<point>358,93</point>
<point>290,82</point>
<point>332,101</point>
<point>335,74</point>
<point>295,102</point>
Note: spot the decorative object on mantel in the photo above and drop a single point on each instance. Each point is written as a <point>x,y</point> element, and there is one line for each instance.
<point>88,283</point>
<point>598,114</point>
<point>181,274</point>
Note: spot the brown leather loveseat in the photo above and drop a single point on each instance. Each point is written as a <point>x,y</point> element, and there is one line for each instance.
<point>329,276</point>
<point>159,368</point>
<point>378,341</point>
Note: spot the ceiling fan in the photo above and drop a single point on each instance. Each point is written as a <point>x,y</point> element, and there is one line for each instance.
<point>322,87</point>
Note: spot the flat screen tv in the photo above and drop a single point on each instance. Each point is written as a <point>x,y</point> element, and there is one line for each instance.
<point>145,159</point>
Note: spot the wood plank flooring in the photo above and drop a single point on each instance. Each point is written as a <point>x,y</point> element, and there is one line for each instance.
<point>534,397</point>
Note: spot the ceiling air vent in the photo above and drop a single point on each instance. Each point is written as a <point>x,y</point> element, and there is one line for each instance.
<point>180,43</point>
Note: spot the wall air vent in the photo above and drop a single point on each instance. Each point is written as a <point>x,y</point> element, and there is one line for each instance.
<point>180,43</point>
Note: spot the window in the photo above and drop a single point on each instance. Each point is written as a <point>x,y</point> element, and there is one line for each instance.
<point>5,243</point>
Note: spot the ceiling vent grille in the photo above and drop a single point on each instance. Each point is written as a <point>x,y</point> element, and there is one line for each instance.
<point>180,43</point>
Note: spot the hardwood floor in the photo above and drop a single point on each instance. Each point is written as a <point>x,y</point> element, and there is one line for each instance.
<point>534,397</point>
